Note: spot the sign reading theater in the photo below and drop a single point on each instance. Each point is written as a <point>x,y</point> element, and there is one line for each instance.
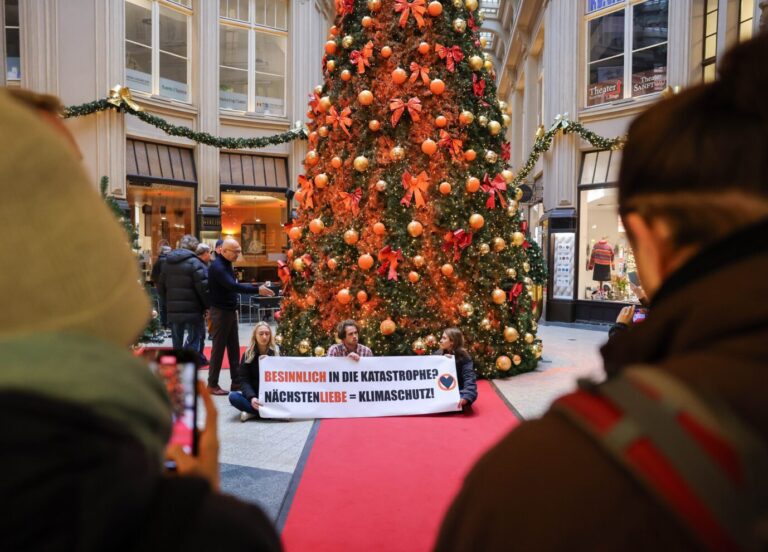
<point>338,387</point>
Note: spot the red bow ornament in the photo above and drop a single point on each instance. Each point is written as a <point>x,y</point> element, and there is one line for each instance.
<point>343,7</point>
<point>419,71</point>
<point>514,293</point>
<point>454,145</point>
<point>284,272</point>
<point>361,57</point>
<point>398,107</point>
<point>343,119</point>
<point>494,188</point>
<point>458,240</point>
<point>314,102</point>
<point>478,85</point>
<point>404,8</point>
<point>506,151</point>
<point>389,259</point>
<point>307,191</point>
<point>451,55</point>
<point>352,200</point>
<point>415,186</point>
<point>471,23</point>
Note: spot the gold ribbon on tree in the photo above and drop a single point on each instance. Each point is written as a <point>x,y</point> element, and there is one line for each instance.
<point>451,55</point>
<point>398,107</point>
<point>389,259</point>
<point>361,57</point>
<point>415,187</point>
<point>418,7</point>
<point>342,119</point>
<point>493,188</point>
<point>419,71</point>
<point>120,96</point>
<point>352,200</point>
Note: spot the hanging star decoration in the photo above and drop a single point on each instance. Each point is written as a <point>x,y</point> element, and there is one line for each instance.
<point>415,188</point>
<point>352,200</point>
<point>451,54</point>
<point>405,8</point>
<point>419,71</point>
<point>494,188</point>
<point>398,107</point>
<point>361,58</point>
<point>458,241</point>
<point>454,145</point>
<point>306,192</point>
<point>342,119</point>
<point>389,260</point>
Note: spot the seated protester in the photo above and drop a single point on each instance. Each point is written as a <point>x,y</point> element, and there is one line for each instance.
<point>349,333</point>
<point>452,346</point>
<point>262,345</point>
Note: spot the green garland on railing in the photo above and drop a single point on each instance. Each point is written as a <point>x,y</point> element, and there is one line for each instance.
<point>121,101</point>
<point>544,142</point>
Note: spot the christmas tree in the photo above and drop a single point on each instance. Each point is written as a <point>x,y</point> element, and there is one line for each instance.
<point>407,221</point>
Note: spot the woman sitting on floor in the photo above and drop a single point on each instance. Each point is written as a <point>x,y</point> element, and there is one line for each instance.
<point>452,345</point>
<point>262,345</point>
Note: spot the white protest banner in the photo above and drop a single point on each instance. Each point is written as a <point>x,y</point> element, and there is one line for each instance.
<point>338,387</point>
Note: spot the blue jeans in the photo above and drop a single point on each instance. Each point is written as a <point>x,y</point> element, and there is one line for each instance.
<point>193,335</point>
<point>239,401</point>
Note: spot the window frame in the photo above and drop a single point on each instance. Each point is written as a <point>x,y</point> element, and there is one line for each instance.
<point>626,6</point>
<point>6,80</point>
<point>154,6</point>
<point>252,28</point>
<point>746,18</point>
<point>709,64</point>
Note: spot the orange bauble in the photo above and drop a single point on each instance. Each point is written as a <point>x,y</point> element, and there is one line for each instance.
<point>445,188</point>
<point>470,155</point>
<point>332,263</point>
<point>323,131</point>
<point>299,196</point>
<point>336,162</point>
<point>413,276</point>
<point>437,87</point>
<point>367,21</point>
<point>311,300</point>
<point>466,117</point>
<point>473,184</point>
<point>379,229</point>
<point>334,30</point>
<point>429,146</point>
<point>362,297</point>
<point>344,296</point>
<point>330,47</point>
<point>440,121</point>
<point>365,261</point>
<point>415,228</point>
<point>289,253</point>
<point>351,237</point>
<point>346,75</point>
<point>423,48</point>
<point>311,158</point>
<point>321,180</point>
<point>387,327</point>
<point>316,226</point>
<point>374,125</point>
<point>476,221</point>
<point>447,269</point>
<point>386,51</point>
<point>365,97</point>
<point>399,75</point>
<point>498,296</point>
<point>418,261</point>
<point>435,8</point>
<point>294,233</point>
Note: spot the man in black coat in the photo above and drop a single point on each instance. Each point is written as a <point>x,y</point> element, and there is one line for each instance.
<point>157,269</point>
<point>184,286</point>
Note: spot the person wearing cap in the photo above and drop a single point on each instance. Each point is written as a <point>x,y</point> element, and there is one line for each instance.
<point>669,453</point>
<point>85,423</point>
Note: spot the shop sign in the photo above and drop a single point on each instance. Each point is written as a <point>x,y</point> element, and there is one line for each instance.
<point>648,82</point>
<point>595,5</point>
<point>606,91</point>
<point>210,222</point>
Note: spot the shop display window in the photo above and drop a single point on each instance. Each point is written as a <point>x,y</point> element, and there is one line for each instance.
<point>12,41</point>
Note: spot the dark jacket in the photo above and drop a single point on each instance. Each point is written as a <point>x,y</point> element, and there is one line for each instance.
<point>157,268</point>
<point>465,372</point>
<point>184,284</point>
<point>713,341</point>
<point>93,487</point>
<point>249,375</point>
<point>224,285</point>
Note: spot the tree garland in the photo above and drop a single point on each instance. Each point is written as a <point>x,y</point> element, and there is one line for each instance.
<point>122,105</point>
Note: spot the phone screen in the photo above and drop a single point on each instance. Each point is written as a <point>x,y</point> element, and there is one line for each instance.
<point>179,377</point>
<point>639,315</point>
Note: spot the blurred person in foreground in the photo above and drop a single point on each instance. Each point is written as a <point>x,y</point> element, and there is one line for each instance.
<point>670,452</point>
<point>84,423</point>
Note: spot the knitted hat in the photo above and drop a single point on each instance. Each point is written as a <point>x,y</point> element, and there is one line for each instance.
<point>70,267</point>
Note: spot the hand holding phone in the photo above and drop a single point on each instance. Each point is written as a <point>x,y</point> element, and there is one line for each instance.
<point>639,315</point>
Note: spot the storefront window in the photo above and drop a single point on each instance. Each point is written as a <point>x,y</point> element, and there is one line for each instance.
<point>709,56</point>
<point>256,219</point>
<point>627,54</point>
<point>12,41</point>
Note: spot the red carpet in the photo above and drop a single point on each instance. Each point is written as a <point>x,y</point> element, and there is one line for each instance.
<point>385,483</point>
<point>225,361</point>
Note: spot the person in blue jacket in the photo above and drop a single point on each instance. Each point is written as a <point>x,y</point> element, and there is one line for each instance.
<point>452,345</point>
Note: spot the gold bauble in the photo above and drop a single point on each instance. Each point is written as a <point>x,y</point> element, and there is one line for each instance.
<point>508,176</point>
<point>486,56</point>
<point>374,5</point>
<point>485,249</point>
<point>347,42</point>
<point>491,156</point>
<point>319,89</point>
<point>381,185</point>
<point>488,65</point>
<point>499,244</point>
<point>319,351</point>
<point>331,66</point>
<point>466,117</point>
<point>511,334</point>
<point>483,42</point>
<point>526,266</point>
<point>482,120</point>
<point>324,104</point>
<point>528,338</point>
<point>418,261</point>
<point>457,3</point>
<point>518,238</point>
<point>505,119</point>
<point>471,5</point>
<point>298,265</point>
<point>534,326</point>
<point>475,63</point>
<point>511,273</point>
<point>494,127</point>
<point>323,131</point>
<point>537,352</point>
<point>485,324</point>
<point>397,153</point>
<point>518,194</point>
<point>502,105</point>
<point>279,339</point>
<point>419,347</point>
<point>304,346</point>
<point>512,208</point>
<point>527,280</point>
<point>503,363</point>
<point>459,25</point>
<point>516,360</point>
<point>415,228</point>
<point>430,340</point>
<point>466,309</point>
<point>360,163</point>
<point>498,296</point>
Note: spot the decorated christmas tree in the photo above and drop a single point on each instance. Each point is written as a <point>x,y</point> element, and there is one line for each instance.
<point>408,222</point>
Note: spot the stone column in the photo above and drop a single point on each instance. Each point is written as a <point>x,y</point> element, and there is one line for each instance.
<point>530,115</point>
<point>679,45</point>
<point>38,22</point>
<point>562,70</point>
<point>206,87</point>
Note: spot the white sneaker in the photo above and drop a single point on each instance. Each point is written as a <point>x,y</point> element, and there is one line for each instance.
<point>245,416</point>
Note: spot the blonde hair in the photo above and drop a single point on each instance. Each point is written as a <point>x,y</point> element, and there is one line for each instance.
<point>253,348</point>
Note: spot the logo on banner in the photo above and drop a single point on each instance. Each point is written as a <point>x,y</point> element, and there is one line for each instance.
<point>446,382</point>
